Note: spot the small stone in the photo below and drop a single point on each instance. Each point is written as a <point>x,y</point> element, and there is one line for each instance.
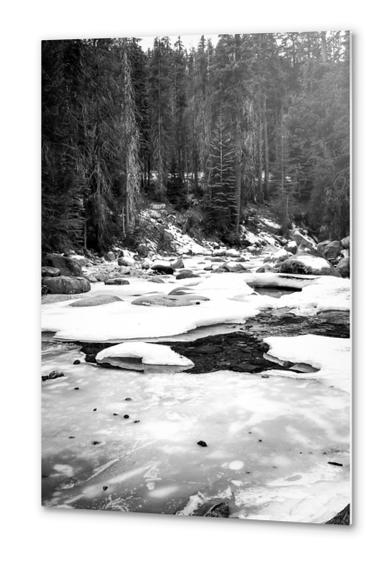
<point>202,443</point>
<point>265,376</point>
<point>94,409</point>
<point>335,463</point>
<point>105,488</point>
<point>76,388</point>
<point>114,413</point>
<point>71,437</point>
<point>136,421</point>
<point>127,398</point>
<point>96,442</point>
<point>76,362</point>
<point>260,440</point>
<point>125,416</point>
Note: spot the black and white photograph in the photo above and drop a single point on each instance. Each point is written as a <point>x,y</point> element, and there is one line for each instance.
<point>196,241</point>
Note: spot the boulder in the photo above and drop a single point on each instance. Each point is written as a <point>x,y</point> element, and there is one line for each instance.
<point>48,271</point>
<point>343,267</point>
<point>110,256</point>
<point>332,250</point>
<point>95,300</point>
<point>66,285</point>
<point>185,274</point>
<point>234,267</point>
<point>142,250</point>
<point>303,240</point>
<point>164,269</point>
<point>116,281</point>
<point>345,242</point>
<point>307,265</point>
<point>67,265</point>
<point>125,261</point>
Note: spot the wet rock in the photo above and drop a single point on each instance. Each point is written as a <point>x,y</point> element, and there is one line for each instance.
<point>116,281</point>
<point>235,267</point>
<point>283,323</point>
<point>76,362</point>
<point>95,300</point>
<point>185,274</point>
<point>66,285</point>
<point>163,269</point>
<point>110,256</point>
<point>53,375</point>
<point>48,271</point>
<point>202,443</point>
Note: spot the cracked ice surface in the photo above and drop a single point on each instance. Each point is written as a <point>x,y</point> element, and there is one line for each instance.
<point>269,439</point>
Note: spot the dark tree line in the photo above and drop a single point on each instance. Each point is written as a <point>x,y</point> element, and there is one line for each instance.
<point>260,118</point>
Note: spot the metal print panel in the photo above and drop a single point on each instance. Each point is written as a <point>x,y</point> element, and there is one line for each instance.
<point>196,355</point>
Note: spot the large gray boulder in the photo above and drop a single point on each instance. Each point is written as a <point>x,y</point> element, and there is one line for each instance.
<point>65,285</point>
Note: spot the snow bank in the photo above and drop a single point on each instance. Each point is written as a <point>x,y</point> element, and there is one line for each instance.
<point>332,356</point>
<point>127,356</point>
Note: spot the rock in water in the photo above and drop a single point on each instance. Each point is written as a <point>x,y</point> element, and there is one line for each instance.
<point>95,300</point>
<point>110,256</point>
<point>48,271</point>
<point>66,265</point>
<point>186,274</point>
<point>66,285</point>
<point>307,265</point>
<point>139,356</point>
<point>126,261</point>
<point>162,268</point>
<point>117,281</point>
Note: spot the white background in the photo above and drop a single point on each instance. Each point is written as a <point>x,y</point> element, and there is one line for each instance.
<point>27,530</point>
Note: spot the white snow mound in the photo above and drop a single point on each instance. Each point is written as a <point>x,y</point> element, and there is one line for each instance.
<point>125,355</point>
